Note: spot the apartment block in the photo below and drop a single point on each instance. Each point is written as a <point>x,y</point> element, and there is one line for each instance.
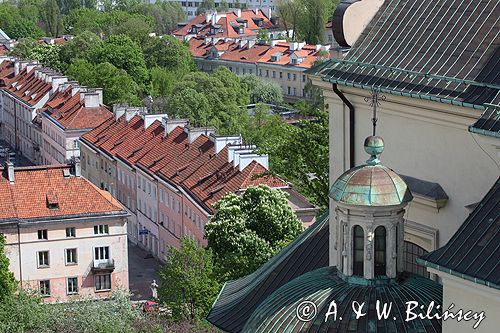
<point>233,23</point>
<point>278,61</point>
<point>42,113</point>
<point>64,237</point>
<point>169,174</point>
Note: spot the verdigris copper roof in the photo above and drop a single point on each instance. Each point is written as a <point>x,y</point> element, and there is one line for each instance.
<point>371,184</point>
<point>280,311</point>
<point>238,299</point>
<point>473,251</point>
<point>445,51</point>
<point>489,122</point>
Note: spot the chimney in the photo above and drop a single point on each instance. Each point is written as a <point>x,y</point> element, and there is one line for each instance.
<point>267,11</point>
<point>10,171</point>
<point>91,100</point>
<point>74,90</point>
<point>221,141</point>
<point>57,81</point>
<point>31,66</point>
<point>237,12</point>
<point>256,11</point>
<point>195,132</point>
<point>17,68</point>
<point>247,158</point>
<point>78,167</point>
<point>170,124</point>
<point>251,43</point>
<point>151,118</point>
<point>118,111</point>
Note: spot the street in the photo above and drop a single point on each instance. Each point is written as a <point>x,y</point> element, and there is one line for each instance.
<point>142,271</point>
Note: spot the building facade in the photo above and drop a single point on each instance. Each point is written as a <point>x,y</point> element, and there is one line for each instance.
<point>64,237</point>
<point>168,175</point>
<point>424,107</point>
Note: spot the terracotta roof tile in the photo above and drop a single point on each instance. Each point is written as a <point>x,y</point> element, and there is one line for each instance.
<point>34,188</point>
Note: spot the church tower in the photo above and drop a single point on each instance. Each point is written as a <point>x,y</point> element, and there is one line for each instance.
<point>367,223</point>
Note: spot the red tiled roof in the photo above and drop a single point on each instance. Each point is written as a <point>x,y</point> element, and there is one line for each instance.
<point>27,87</point>
<point>6,72</point>
<point>194,167</point>
<point>229,23</point>
<point>70,112</point>
<point>35,187</point>
<point>261,53</point>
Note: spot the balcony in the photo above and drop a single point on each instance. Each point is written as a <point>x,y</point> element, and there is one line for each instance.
<point>103,265</point>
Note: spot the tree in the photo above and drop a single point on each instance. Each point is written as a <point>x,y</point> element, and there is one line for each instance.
<point>24,48</point>
<point>52,18</point>
<point>30,9</point>
<point>162,82</point>
<point>204,6</point>
<point>247,230</point>
<point>23,28</point>
<point>313,18</point>
<point>263,126</point>
<point>8,284</point>
<point>300,155</point>
<point>290,12</point>
<point>84,19</point>
<point>187,285</point>
<point>85,45</point>
<point>125,54</point>
<point>165,15</point>
<point>169,53</point>
<point>118,86</point>
<point>262,91</point>
<point>218,100</point>
<point>137,27</point>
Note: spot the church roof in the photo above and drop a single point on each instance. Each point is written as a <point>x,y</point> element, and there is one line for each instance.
<point>280,312</point>
<point>238,299</point>
<point>472,253</point>
<point>370,185</point>
<point>489,122</point>
<point>446,51</point>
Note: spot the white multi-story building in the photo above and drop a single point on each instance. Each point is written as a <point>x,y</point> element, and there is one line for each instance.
<point>64,237</point>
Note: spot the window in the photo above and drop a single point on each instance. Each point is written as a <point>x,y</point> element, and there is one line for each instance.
<point>44,286</point>
<point>161,195</point>
<point>71,232</point>
<point>303,78</point>
<point>101,229</point>
<point>358,253</point>
<point>139,182</point>
<point>42,234</point>
<point>267,73</point>
<point>281,75</point>
<point>43,259</point>
<point>274,74</point>
<point>71,257</point>
<point>288,76</point>
<point>72,284</point>
<point>166,199</point>
<point>412,252</point>
<point>101,253</point>
<point>294,91</point>
<point>289,90</point>
<point>102,282</point>
<point>380,251</point>
<point>295,77</point>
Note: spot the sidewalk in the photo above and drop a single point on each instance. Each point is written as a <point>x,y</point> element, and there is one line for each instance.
<point>143,269</point>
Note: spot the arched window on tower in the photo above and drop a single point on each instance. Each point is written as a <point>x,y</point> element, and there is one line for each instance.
<point>358,251</point>
<point>380,251</point>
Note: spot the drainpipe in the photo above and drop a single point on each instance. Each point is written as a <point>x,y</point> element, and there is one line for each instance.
<point>351,123</point>
<point>20,259</point>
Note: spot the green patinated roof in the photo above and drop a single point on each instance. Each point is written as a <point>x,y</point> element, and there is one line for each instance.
<point>370,185</point>
<point>278,313</point>
<point>238,299</point>
<point>445,51</point>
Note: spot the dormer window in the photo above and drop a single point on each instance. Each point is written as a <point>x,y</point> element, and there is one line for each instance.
<point>276,57</point>
<point>52,200</point>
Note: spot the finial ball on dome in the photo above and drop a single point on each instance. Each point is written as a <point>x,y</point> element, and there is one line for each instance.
<point>374,145</point>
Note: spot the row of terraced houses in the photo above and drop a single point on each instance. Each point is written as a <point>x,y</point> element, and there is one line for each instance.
<point>165,174</point>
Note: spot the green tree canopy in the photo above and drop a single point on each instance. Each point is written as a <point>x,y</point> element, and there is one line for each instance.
<point>165,14</point>
<point>218,100</point>
<point>204,6</point>
<point>263,91</point>
<point>52,18</point>
<point>8,284</point>
<point>169,53</point>
<point>247,230</point>
<point>125,54</point>
<point>118,86</point>
<point>187,285</point>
